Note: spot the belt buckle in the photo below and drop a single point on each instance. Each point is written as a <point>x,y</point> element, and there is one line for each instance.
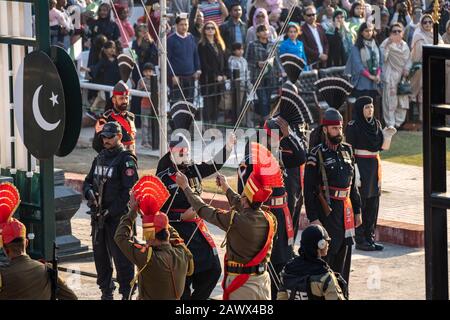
<point>261,268</point>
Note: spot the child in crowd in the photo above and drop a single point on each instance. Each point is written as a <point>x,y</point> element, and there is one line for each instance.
<point>237,62</point>
<point>146,110</point>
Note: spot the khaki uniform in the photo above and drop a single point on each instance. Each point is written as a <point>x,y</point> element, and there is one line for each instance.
<point>163,268</point>
<point>245,239</point>
<point>27,279</point>
<point>324,287</point>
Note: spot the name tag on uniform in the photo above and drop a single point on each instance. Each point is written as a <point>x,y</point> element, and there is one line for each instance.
<point>329,161</point>
<point>103,171</point>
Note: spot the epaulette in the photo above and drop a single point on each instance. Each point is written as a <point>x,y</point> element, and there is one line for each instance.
<point>315,149</point>
<point>176,242</point>
<point>351,122</point>
<point>140,247</point>
<point>131,115</point>
<point>107,113</point>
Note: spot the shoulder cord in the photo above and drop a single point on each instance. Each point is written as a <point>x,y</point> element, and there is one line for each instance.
<point>135,279</point>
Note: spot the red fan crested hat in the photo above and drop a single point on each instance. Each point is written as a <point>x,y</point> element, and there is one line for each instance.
<point>266,174</point>
<point>9,201</point>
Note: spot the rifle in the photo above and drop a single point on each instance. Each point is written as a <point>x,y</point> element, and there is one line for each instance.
<point>97,213</point>
<point>53,273</point>
<point>324,200</point>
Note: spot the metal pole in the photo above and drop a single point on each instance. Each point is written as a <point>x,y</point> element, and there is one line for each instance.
<point>46,166</point>
<point>163,80</point>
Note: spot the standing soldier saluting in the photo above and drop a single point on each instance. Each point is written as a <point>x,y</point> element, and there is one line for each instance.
<point>23,278</point>
<point>107,189</point>
<point>331,196</point>
<point>250,228</point>
<point>118,113</point>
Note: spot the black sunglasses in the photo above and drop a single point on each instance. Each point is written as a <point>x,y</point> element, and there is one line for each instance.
<point>427,22</point>
<point>210,28</point>
<point>396,31</point>
<point>311,15</point>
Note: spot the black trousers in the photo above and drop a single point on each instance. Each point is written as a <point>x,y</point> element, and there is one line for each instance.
<point>105,251</point>
<point>203,283</point>
<point>341,261</point>
<point>369,208</point>
<point>294,196</point>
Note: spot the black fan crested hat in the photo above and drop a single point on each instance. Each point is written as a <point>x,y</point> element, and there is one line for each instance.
<point>292,107</point>
<point>333,90</point>
<point>182,114</point>
<point>292,65</point>
<point>126,65</point>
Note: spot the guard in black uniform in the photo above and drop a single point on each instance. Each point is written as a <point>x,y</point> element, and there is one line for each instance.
<point>365,135</point>
<point>308,276</point>
<point>194,232</point>
<point>107,188</point>
<point>331,196</point>
<point>118,113</point>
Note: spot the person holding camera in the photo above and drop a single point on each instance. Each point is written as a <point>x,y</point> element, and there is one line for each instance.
<point>107,189</point>
<point>402,13</point>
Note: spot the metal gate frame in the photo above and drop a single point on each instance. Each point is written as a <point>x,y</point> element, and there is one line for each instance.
<point>46,175</point>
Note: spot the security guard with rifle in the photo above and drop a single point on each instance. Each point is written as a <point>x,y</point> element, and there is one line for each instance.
<point>107,187</point>
<point>331,197</point>
<point>23,278</point>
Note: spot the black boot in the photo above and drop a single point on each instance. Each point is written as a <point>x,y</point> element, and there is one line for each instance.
<point>365,246</point>
<point>107,295</point>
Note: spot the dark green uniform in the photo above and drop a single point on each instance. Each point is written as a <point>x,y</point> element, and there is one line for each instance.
<point>163,268</point>
<point>26,279</point>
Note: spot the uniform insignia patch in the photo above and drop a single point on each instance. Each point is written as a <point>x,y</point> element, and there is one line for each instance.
<point>130,164</point>
<point>129,172</point>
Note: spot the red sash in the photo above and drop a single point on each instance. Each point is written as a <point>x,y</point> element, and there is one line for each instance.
<point>302,175</point>
<point>379,171</point>
<point>241,279</point>
<point>349,218</point>
<point>201,225</point>
<point>124,123</point>
<point>287,220</point>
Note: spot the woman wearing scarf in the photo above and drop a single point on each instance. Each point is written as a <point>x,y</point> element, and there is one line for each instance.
<point>396,66</point>
<point>104,24</point>
<point>260,17</point>
<point>422,36</point>
<point>366,137</point>
<point>364,63</point>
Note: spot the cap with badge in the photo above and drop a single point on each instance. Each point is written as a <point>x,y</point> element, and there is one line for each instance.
<point>111,129</point>
<point>121,89</point>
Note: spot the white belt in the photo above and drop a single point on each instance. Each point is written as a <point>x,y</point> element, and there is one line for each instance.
<point>361,152</point>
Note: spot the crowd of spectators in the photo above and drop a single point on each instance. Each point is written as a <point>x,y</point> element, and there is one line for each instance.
<point>379,42</point>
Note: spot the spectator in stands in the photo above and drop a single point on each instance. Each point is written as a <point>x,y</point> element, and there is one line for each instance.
<point>237,62</point>
<point>95,53</point>
<point>106,71</point>
<point>256,55</point>
<point>233,30</point>
<point>314,39</point>
<point>242,3</point>
<point>253,5</point>
<point>403,12</point>
<point>364,63</point>
<point>356,15</point>
<point>60,24</point>
<point>446,35</point>
<point>260,18</point>
<point>196,22</point>
<point>327,18</point>
<point>153,9</point>
<point>274,20</point>
<point>296,16</point>
<point>292,44</point>
<point>211,50</point>
<point>146,110</point>
<point>409,30</point>
<point>396,65</point>
<point>182,54</point>
<point>213,10</point>
<point>422,36</point>
<point>145,49</point>
<point>104,25</point>
<point>340,39</point>
<point>178,6</point>
<point>125,27</point>
<point>67,29</point>
<point>384,31</point>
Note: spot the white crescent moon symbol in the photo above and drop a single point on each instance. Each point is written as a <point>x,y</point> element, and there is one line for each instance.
<point>47,126</point>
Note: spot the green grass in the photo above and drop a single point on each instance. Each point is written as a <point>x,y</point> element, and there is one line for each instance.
<point>406,148</point>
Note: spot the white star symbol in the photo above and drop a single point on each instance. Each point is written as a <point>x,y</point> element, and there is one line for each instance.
<point>54,99</point>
